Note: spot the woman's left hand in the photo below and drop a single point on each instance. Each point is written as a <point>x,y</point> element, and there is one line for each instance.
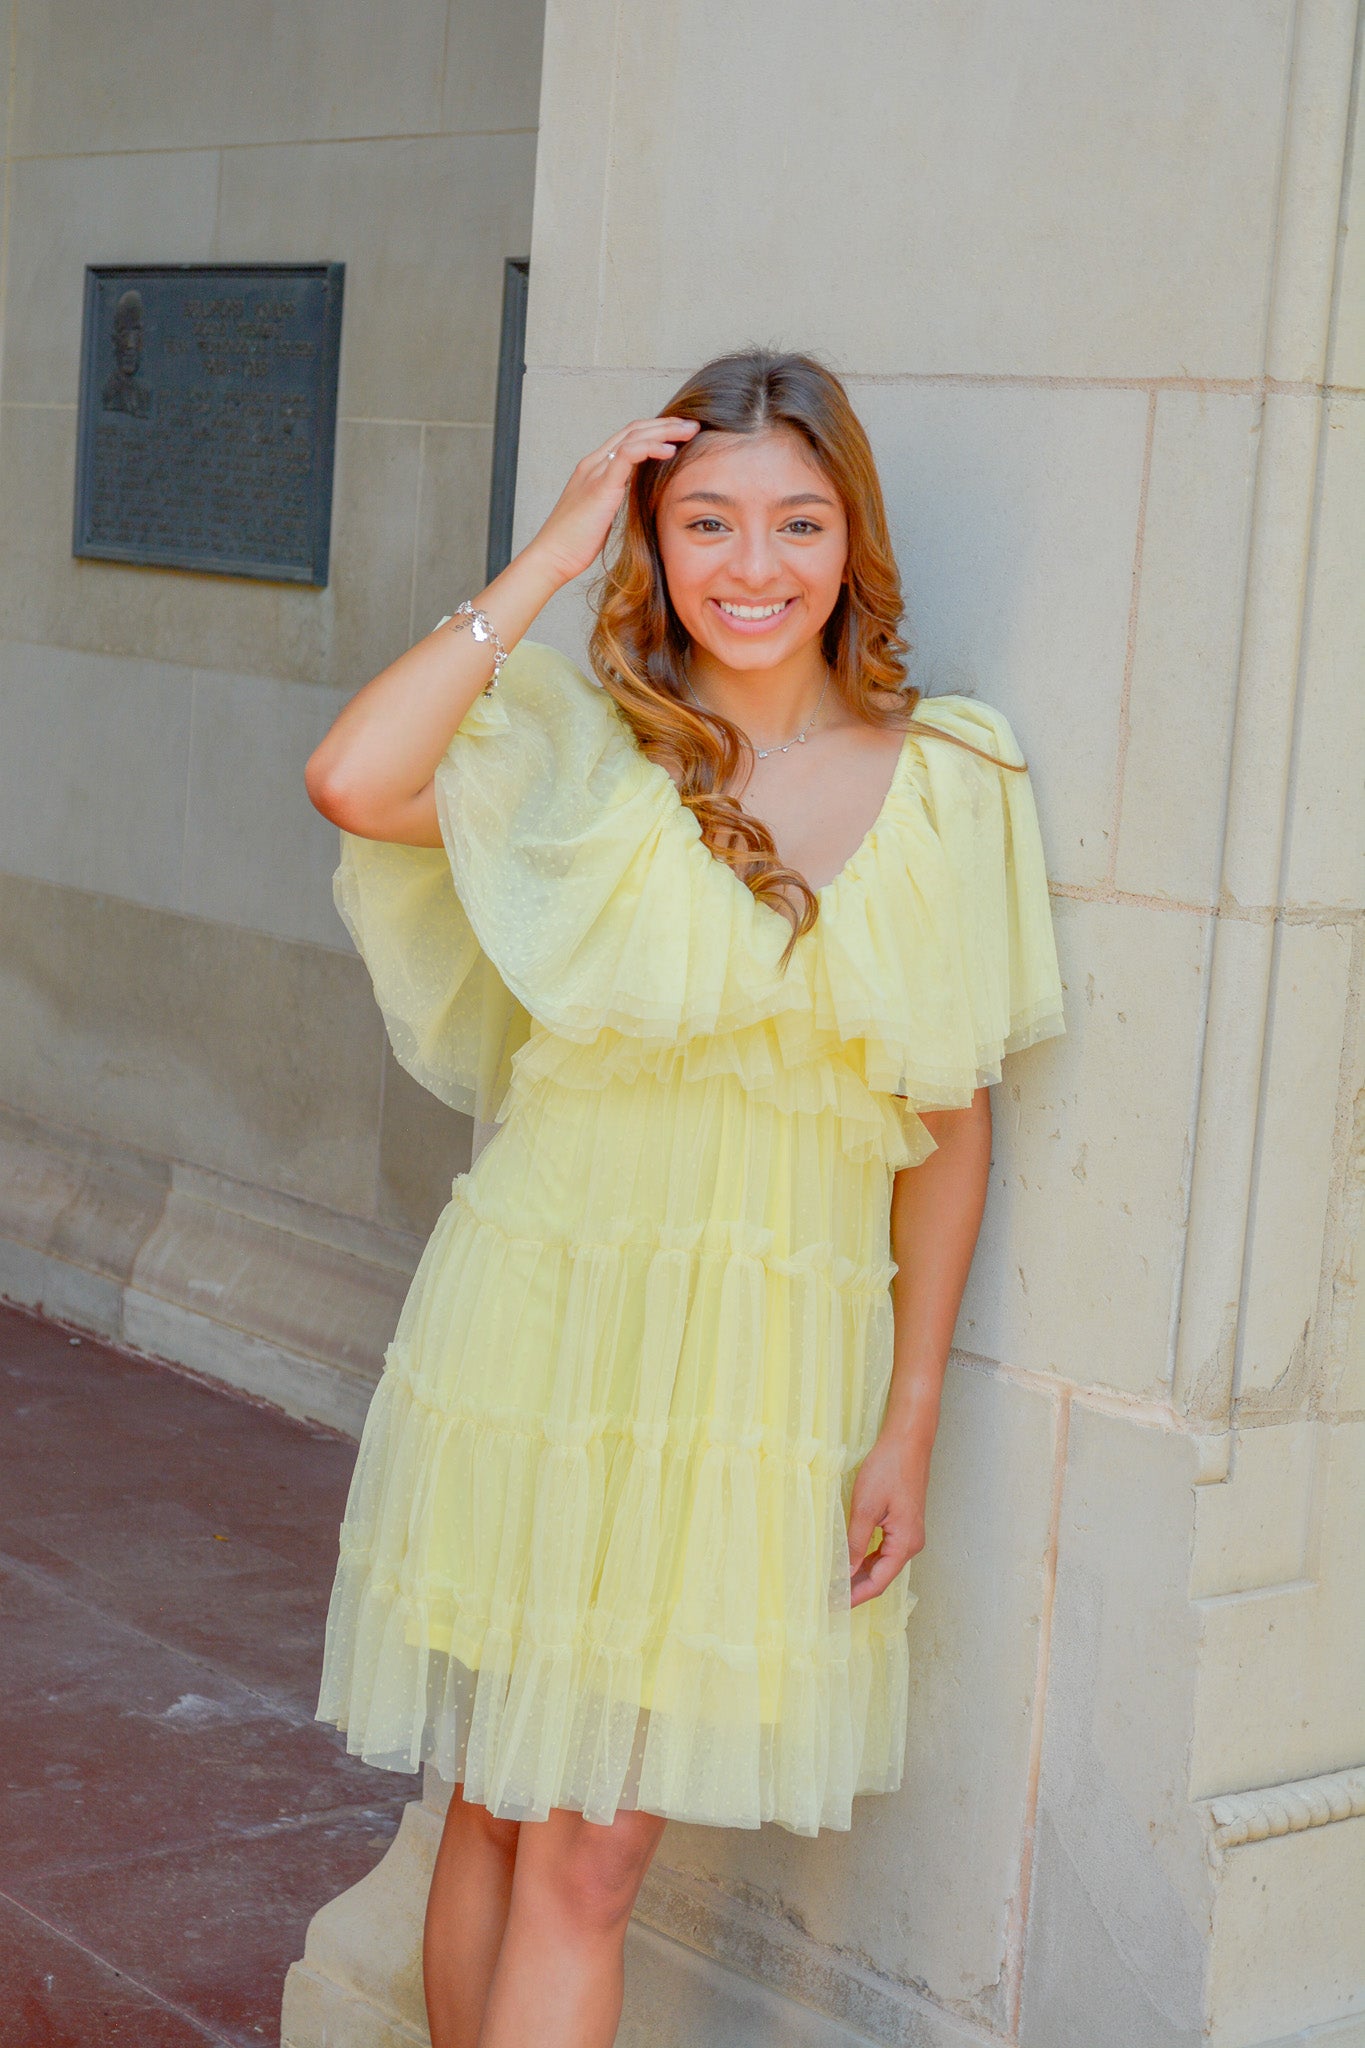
<point>889,1494</point>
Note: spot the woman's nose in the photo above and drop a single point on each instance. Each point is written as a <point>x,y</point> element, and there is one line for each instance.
<point>754,560</point>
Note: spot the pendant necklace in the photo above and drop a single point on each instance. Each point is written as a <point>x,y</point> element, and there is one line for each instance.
<point>762,753</point>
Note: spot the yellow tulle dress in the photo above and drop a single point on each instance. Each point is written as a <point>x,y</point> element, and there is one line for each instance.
<point>594,1553</point>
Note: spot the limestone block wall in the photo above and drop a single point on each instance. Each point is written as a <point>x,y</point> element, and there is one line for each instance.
<point>1095,277</point>
<point>177,995</point>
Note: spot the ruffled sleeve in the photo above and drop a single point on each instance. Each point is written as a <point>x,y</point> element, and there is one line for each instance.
<point>451,1020</point>
<point>987,823</point>
<point>583,877</point>
<point>938,956</point>
<point>571,891</point>
<point>574,892</point>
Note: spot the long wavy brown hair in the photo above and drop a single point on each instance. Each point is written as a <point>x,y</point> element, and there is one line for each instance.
<point>639,647</point>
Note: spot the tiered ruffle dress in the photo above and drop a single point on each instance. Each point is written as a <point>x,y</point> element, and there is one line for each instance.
<point>594,1553</point>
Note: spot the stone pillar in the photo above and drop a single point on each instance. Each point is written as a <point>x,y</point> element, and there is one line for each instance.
<point>1096,281</point>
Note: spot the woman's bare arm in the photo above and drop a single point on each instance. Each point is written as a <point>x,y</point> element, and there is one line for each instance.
<point>936,1211</point>
<point>373,774</point>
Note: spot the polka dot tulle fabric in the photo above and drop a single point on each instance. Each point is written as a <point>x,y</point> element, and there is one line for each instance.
<point>594,1553</point>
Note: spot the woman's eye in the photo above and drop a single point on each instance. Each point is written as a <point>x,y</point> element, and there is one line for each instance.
<point>803,526</point>
<point>707,525</point>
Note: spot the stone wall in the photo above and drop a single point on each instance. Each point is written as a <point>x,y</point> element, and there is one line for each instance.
<point>177,995</point>
<point>1097,280</point>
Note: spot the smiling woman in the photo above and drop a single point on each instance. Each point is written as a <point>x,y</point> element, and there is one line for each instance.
<point>754,581</point>
<point>629,1523</point>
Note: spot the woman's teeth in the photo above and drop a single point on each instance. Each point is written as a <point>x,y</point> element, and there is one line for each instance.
<point>753,611</point>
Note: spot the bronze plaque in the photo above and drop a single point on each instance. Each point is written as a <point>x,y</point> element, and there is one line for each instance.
<point>207,416</point>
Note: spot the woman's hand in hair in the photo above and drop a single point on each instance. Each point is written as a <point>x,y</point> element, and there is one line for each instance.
<point>373,773</point>
<point>573,536</point>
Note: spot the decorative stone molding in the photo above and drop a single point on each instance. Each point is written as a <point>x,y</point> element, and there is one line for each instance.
<point>278,1296</point>
<point>360,1977</point>
<point>1258,795</point>
<point>1238,1817</point>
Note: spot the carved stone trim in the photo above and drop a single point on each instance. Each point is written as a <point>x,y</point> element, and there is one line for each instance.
<point>1239,1817</point>
<point>1259,793</point>
<point>266,1292</point>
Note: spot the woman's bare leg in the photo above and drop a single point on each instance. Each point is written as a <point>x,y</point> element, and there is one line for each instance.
<point>471,1887</point>
<point>560,1977</point>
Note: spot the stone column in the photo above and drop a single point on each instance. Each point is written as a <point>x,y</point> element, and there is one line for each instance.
<point>1087,275</point>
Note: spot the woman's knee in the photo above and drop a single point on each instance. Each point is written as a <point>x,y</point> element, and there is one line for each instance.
<point>589,1871</point>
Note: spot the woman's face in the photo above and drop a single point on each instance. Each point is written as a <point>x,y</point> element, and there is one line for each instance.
<point>754,542</point>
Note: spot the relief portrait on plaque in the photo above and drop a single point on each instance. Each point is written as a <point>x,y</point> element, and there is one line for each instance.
<point>206,417</point>
<point>124,390</point>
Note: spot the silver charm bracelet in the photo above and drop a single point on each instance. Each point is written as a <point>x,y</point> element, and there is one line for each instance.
<point>483,629</point>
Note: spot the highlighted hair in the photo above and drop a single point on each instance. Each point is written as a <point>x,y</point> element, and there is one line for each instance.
<point>639,647</point>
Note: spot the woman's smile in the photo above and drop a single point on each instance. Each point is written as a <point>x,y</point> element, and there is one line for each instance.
<point>750,619</point>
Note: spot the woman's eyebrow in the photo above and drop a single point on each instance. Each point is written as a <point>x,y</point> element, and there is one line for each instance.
<point>718,498</point>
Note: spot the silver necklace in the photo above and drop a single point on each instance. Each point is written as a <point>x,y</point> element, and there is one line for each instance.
<point>796,739</point>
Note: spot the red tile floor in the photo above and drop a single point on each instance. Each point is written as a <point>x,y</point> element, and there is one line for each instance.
<point>171,1815</point>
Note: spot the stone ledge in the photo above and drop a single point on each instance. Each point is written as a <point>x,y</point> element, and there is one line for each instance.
<point>1254,1816</point>
<point>318,2011</point>
<point>676,1998</point>
<point>290,1301</point>
<point>842,1993</point>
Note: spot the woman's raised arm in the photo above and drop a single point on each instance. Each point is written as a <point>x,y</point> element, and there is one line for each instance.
<point>373,774</point>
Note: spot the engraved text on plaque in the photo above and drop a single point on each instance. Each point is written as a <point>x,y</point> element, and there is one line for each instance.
<point>208,415</point>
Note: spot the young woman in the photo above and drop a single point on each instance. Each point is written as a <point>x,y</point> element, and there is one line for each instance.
<point>730,942</point>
